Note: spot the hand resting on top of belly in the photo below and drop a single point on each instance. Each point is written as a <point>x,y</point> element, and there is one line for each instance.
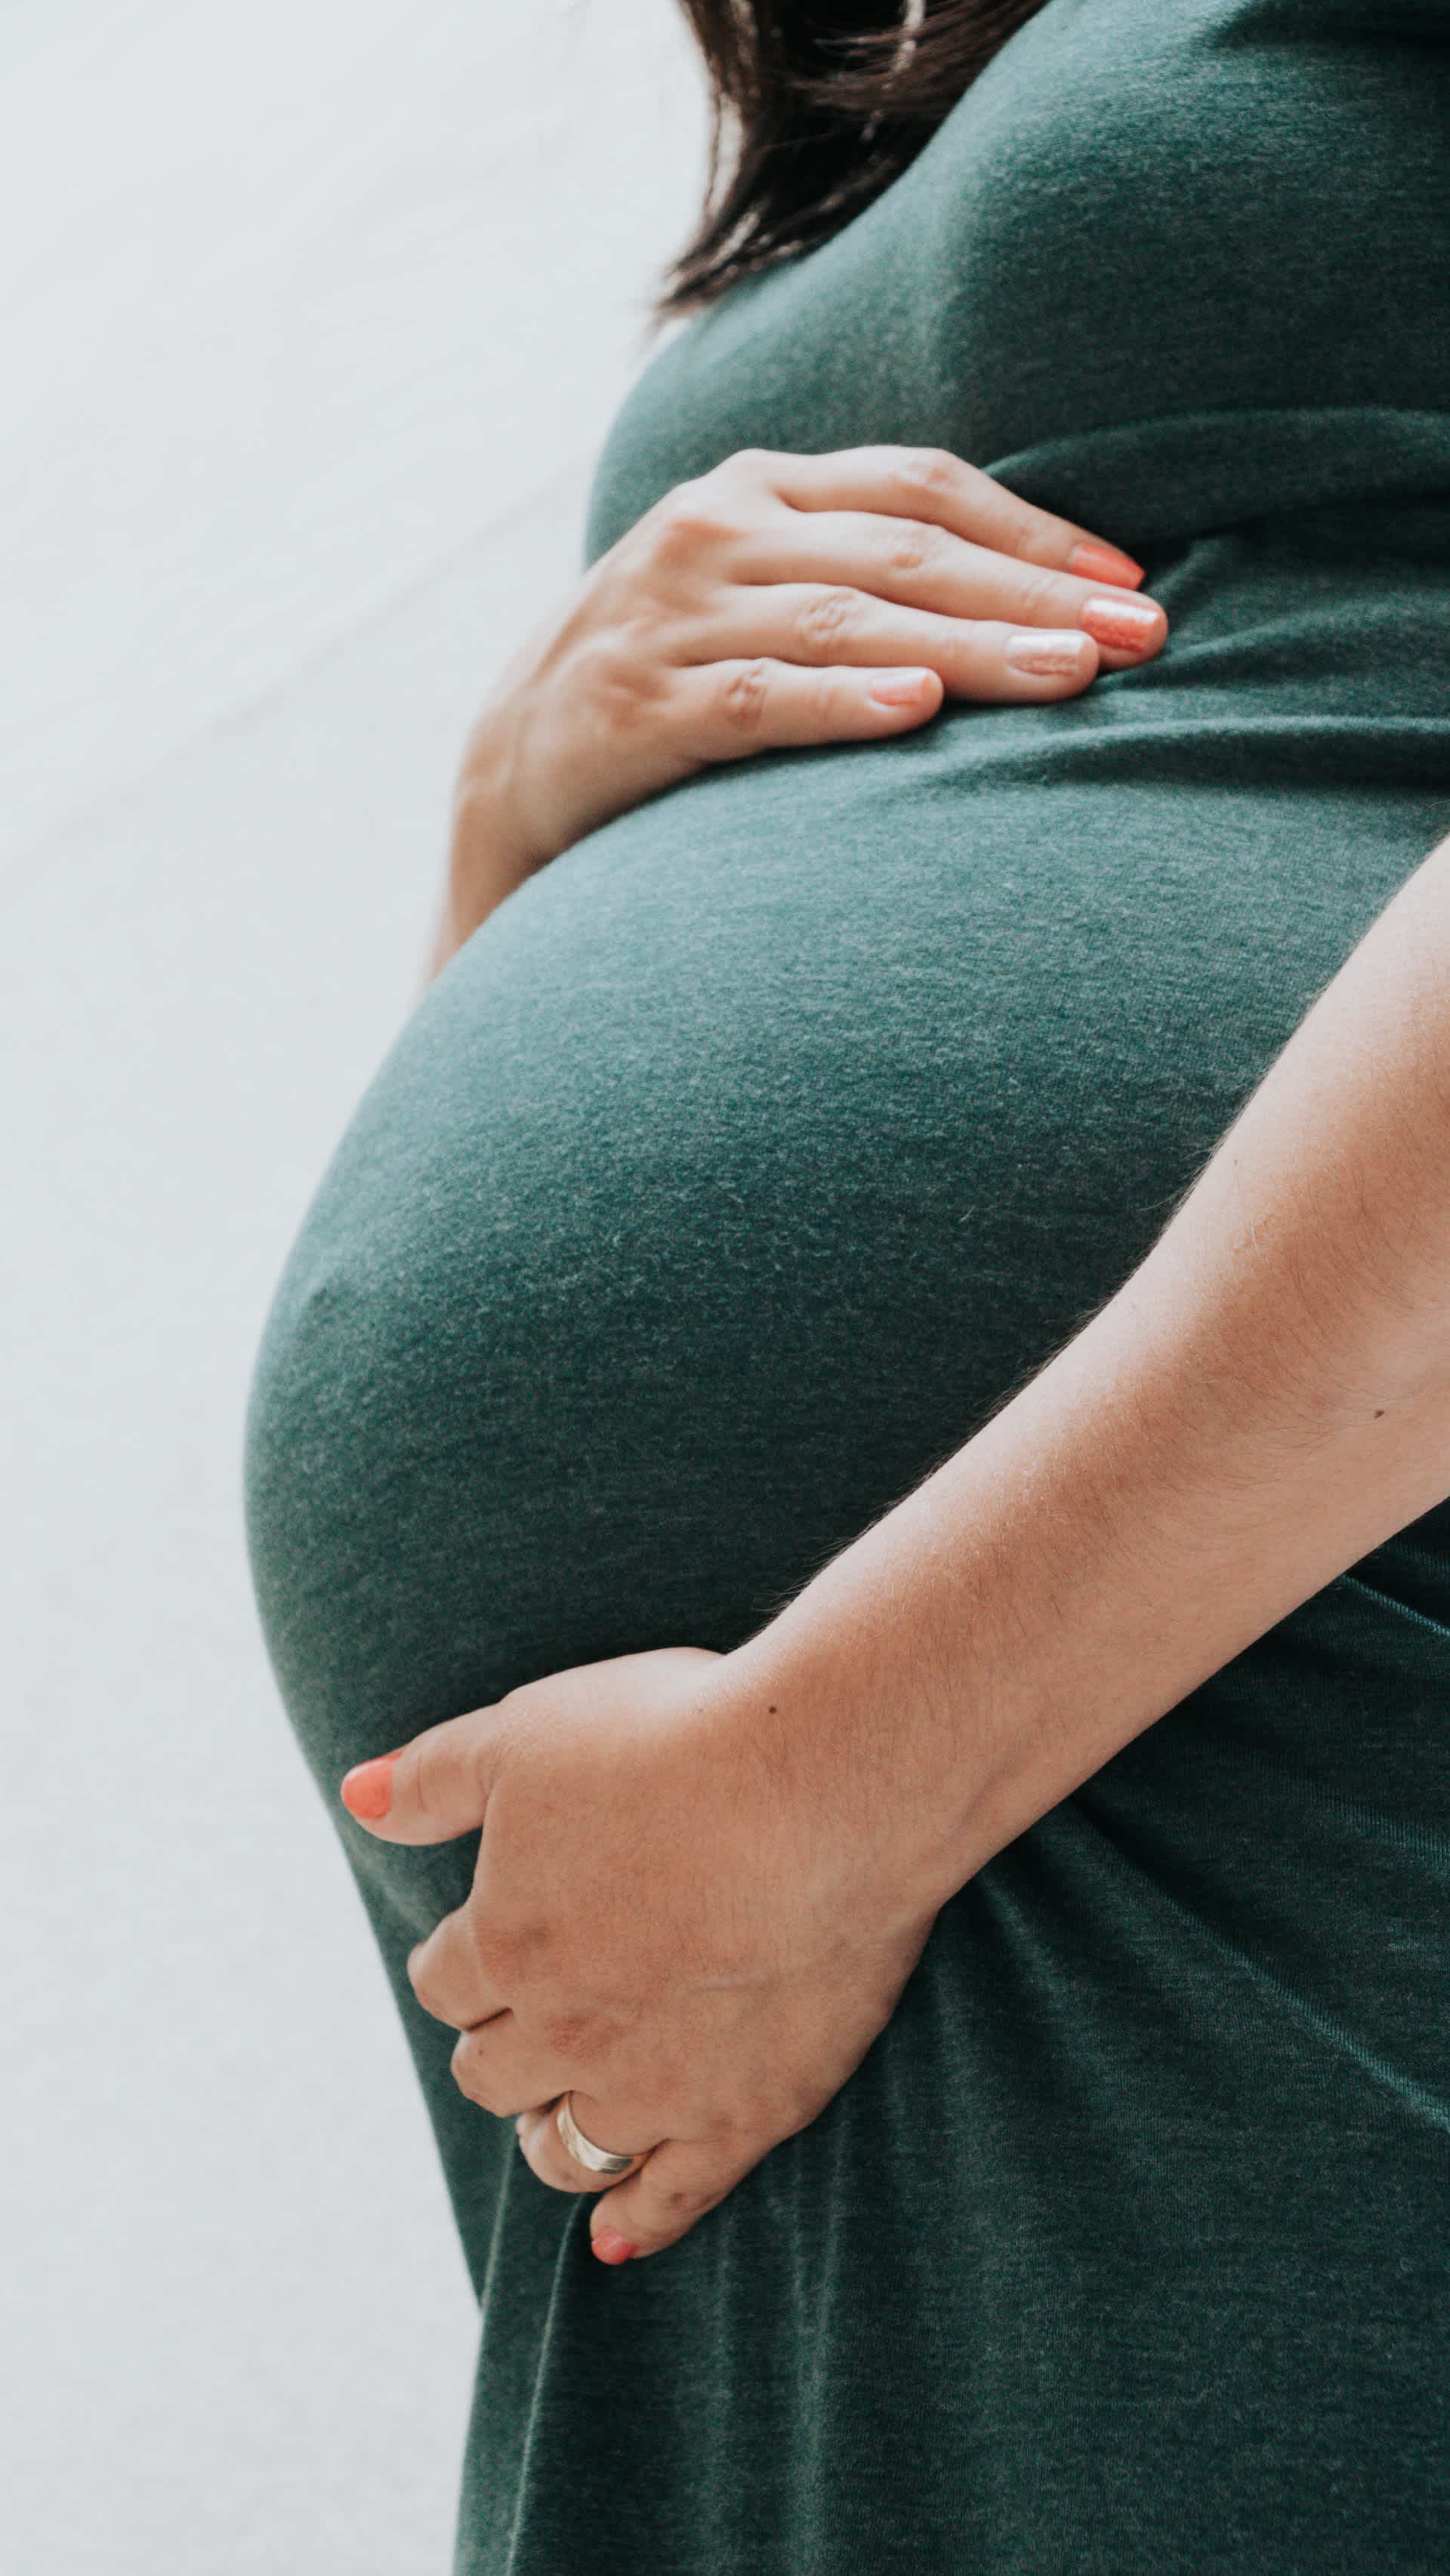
<point>779,602</point>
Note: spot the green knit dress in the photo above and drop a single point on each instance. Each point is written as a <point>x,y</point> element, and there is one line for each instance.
<point>731,1174</point>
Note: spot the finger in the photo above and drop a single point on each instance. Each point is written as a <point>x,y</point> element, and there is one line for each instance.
<point>975,657</point>
<point>456,1976</point>
<point>729,708</point>
<point>897,559</point>
<point>669,2194</point>
<point>931,483</point>
<point>504,2068</point>
<point>545,2153</point>
<point>433,1789</point>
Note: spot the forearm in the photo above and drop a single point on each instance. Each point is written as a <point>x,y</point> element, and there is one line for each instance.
<point>1264,1401</point>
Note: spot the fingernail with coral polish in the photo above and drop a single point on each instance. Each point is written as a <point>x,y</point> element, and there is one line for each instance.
<point>367,1791</point>
<point>611,2247</point>
<point>1048,652</point>
<point>1128,624</point>
<point>1092,562</point>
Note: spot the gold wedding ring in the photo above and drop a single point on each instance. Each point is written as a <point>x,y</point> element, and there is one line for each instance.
<point>600,2160</point>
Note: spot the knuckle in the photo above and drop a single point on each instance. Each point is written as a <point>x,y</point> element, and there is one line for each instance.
<point>1020,528</point>
<point>748,462</point>
<point>625,688</point>
<point>829,701</point>
<point>514,1949</point>
<point>423,1978</point>
<point>721,2128</point>
<point>1041,596</point>
<point>691,517</point>
<point>504,1948</point>
<point>912,552</point>
<point>930,473</point>
<point>827,618</point>
<point>431,1778</point>
<point>566,2034</point>
<point>689,2199</point>
<point>745,696</point>
<point>475,2081</point>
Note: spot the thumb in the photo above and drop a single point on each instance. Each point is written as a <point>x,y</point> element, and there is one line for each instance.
<point>430,1790</point>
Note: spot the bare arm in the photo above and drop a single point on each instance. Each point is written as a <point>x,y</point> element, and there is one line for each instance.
<point>1267,1399</point>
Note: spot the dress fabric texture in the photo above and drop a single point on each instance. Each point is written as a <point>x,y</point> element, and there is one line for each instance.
<point>734,1171</point>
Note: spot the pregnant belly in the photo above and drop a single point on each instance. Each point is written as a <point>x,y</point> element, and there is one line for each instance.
<point>750,1153</point>
<point>740,1163</point>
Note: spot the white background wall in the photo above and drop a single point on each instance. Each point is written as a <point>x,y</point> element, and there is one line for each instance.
<point>312,316</point>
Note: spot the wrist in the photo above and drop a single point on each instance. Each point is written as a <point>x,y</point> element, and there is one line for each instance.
<point>991,1641</point>
<point>831,1712</point>
<point>490,834</point>
<point>489,854</point>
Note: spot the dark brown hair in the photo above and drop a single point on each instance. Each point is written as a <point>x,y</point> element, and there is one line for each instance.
<point>815,107</point>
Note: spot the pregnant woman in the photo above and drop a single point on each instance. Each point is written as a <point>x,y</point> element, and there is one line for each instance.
<point>853,1455</point>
